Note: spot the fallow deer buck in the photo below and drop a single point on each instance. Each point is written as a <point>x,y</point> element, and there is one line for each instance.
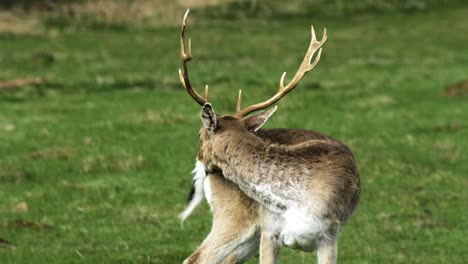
<point>268,187</point>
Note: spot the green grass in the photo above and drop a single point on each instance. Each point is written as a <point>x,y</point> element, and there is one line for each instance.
<point>95,163</point>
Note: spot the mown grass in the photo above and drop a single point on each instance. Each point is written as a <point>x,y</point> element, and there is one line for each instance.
<point>94,163</point>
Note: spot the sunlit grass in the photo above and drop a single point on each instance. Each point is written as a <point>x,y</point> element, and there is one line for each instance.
<point>95,163</point>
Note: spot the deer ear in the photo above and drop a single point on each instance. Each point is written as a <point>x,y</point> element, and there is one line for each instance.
<point>256,121</point>
<point>208,117</point>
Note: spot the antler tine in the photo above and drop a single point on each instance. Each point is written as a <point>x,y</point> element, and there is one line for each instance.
<point>305,67</point>
<point>239,101</point>
<point>206,92</point>
<point>186,56</point>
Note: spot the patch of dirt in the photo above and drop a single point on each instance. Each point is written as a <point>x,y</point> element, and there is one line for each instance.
<point>53,153</point>
<point>22,223</point>
<point>457,89</point>
<point>18,83</point>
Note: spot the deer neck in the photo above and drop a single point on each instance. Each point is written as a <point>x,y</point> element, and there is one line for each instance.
<point>232,148</point>
<point>245,160</point>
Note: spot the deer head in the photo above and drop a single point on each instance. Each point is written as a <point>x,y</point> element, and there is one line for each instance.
<point>216,127</point>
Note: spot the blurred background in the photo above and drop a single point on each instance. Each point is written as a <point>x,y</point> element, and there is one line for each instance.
<point>97,136</point>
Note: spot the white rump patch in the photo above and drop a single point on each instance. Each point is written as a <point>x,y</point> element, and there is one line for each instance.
<point>199,176</point>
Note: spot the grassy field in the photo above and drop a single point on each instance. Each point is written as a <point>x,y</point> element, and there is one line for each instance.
<point>94,163</point>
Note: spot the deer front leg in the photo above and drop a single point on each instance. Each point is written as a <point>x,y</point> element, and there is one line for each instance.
<point>327,251</point>
<point>268,248</point>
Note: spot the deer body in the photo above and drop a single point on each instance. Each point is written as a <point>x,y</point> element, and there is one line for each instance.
<point>279,176</point>
<point>308,189</point>
<point>268,188</point>
<point>238,219</point>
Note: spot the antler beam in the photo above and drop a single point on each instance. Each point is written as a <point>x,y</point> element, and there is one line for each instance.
<point>305,67</point>
<point>185,57</point>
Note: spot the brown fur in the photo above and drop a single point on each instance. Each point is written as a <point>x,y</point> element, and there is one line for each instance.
<point>244,157</point>
<point>234,210</point>
<point>230,223</point>
<point>316,179</point>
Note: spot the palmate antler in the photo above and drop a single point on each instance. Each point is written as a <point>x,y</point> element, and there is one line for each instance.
<point>305,67</point>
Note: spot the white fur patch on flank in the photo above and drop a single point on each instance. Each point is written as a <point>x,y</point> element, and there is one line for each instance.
<point>199,176</point>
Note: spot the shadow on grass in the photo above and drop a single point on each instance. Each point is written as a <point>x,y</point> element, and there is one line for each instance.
<point>22,94</point>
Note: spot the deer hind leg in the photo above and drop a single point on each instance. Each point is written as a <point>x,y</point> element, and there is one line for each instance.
<point>235,232</point>
<point>226,246</point>
<point>327,251</point>
<point>269,248</point>
<point>243,252</point>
